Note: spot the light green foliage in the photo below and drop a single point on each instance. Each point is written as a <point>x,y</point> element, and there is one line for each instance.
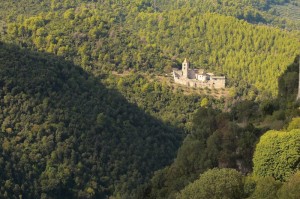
<point>277,154</point>
<point>215,183</point>
<point>69,14</point>
<point>158,99</point>
<point>267,187</point>
<point>119,37</point>
<point>294,124</point>
<point>226,54</point>
<point>204,102</point>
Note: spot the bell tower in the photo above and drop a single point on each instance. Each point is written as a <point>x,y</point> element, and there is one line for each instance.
<point>185,68</point>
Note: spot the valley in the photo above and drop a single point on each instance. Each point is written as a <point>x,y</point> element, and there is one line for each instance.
<point>89,107</point>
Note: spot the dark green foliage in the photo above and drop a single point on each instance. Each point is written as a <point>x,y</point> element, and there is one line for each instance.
<point>215,183</point>
<point>159,99</point>
<point>265,187</point>
<point>288,82</point>
<point>268,107</point>
<point>214,141</point>
<point>245,110</point>
<point>291,189</point>
<point>64,134</point>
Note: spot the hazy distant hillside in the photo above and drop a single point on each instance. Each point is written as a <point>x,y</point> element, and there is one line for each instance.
<point>256,11</point>
<point>289,10</point>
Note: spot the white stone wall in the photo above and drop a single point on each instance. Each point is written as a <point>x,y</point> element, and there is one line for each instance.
<point>201,77</point>
<point>199,81</point>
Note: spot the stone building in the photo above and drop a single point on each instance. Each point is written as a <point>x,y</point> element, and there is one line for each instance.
<point>197,77</point>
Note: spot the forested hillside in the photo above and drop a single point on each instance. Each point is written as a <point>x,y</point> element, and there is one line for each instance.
<point>84,114</point>
<point>217,140</point>
<point>119,37</point>
<point>63,134</point>
<point>256,11</point>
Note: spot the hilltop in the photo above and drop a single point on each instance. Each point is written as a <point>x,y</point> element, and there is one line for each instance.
<point>108,38</point>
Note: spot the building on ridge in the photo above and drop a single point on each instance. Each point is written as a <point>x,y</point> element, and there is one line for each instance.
<point>197,78</point>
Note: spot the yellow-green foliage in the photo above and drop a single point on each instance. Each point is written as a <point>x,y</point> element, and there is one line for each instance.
<point>251,56</point>
<point>257,55</point>
<point>256,187</point>
<point>277,154</point>
<point>215,183</point>
<point>294,124</point>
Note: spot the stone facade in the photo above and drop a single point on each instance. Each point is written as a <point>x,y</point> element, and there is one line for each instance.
<point>197,78</point>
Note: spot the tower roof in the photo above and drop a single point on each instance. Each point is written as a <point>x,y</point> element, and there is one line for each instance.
<point>185,61</point>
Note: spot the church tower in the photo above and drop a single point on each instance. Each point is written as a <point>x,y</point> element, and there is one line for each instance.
<point>185,68</point>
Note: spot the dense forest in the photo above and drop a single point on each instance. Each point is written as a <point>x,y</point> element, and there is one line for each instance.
<point>255,11</point>
<point>84,115</point>
<point>119,37</point>
<point>57,122</point>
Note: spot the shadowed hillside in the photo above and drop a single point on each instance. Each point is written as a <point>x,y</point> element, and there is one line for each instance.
<point>64,135</point>
<point>288,81</point>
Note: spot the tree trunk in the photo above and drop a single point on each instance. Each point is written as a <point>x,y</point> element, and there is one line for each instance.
<point>298,96</point>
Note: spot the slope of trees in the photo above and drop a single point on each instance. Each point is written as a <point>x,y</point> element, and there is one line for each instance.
<point>256,11</point>
<point>214,141</point>
<point>275,175</point>
<point>227,140</point>
<point>229,183</point>
<point>100,39</point>
<point>64,134</point>
<point>160,100</point>
<point>250,56</point>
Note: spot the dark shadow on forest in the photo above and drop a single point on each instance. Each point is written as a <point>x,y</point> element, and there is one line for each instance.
<point>288,82</point>
<point>72,137</point>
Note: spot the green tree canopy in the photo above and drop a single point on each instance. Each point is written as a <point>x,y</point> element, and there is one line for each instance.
<point>215,183</point>
<point>277,154</point>
<point>294,124</point>
<point>291,189</point>
<point>265,187</point>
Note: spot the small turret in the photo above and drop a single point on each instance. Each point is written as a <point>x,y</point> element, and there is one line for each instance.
<point>185,68</point>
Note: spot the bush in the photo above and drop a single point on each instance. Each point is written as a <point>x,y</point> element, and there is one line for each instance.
<point>291,189</point>
<point>277,154</point>
<point>215,183</point>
